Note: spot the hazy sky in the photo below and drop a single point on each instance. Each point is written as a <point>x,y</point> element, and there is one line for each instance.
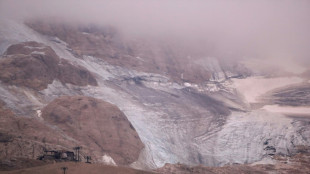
<point>273,30</point>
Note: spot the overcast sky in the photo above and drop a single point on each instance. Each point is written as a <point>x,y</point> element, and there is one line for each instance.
<point>272,30</point>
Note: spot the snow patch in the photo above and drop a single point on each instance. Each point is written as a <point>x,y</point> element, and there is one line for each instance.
<point>30,47</point>
<point>106,159</point>
<point>38,52</point>
<point>39,113</point>
<point>187,84</point>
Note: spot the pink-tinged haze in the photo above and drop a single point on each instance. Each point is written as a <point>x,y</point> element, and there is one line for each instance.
<point>275,31</point>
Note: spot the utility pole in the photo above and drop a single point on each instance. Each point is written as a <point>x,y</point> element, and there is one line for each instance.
<point>88,158</point>
<point>64,169</point>
<point>77,152</point>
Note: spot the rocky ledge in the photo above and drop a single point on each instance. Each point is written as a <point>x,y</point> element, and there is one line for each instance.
<point>35,65</point>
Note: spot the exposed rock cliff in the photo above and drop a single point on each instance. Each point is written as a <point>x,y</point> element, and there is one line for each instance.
<point>35,65</point>
<point>96,124</point>
<point>99,127</point>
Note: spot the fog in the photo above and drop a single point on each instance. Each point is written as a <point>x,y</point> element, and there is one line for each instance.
<point>272,31</point>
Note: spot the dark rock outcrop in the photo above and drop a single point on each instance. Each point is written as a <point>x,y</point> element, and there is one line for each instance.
<point>99,125</point>
<point>35,65</point>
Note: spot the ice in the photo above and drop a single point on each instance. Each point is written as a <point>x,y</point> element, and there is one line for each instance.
<point>253,87</point>
<point>177,122</point>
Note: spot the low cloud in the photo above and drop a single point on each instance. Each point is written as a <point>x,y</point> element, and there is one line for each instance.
<point>274,31</point>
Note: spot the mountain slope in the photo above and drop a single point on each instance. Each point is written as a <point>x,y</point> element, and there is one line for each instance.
<point>179,118</point>
<point>99,125</point>
<point>35,65</point>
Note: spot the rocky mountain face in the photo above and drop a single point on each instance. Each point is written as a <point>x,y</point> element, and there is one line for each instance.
<point>180,63</point>
<point>99,125</point>
<point>26,137</point>
<point>185,107</point>
<point>35,65</point>
<point>68,122</point>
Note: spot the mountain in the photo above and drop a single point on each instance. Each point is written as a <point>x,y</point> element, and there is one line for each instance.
<point>99,127</point>
<point>95,123</point>
<point>34,65</point>
<point>143,103</point>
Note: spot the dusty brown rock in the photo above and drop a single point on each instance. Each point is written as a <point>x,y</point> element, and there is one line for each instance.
<point>106,43</point>
<point>99,125</point>
<point>23,139</point>
<point>78,168</point>
<point>34,65</point>
<point>95,41</point>
<point>22,68</point>
<point>20,163</point>
<point>75,75</point>
<point>28,48</point>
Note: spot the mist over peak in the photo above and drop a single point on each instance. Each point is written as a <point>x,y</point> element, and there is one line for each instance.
<point>145,83</point>
<point>272,31</point>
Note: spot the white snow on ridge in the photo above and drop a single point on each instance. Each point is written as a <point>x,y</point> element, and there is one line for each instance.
<point>38,52</point>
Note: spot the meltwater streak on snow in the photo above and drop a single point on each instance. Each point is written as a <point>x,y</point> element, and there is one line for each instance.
<point>253,87</point>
